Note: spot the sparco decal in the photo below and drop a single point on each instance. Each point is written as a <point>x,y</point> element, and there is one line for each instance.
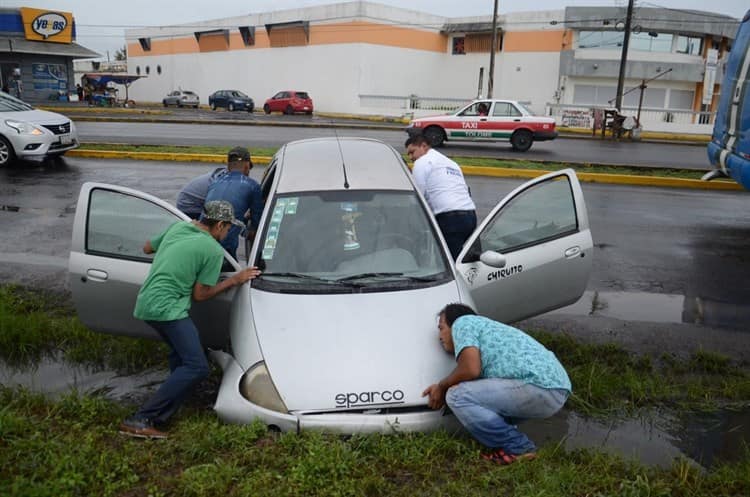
<point>504,273</point>
<point>363,399</point>
<point>49,24</point>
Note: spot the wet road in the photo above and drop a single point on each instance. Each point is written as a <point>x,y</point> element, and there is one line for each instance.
<point>671,267</point>
<point>560,150</point>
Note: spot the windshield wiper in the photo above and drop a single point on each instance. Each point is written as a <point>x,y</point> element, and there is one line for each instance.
<point>303,276</point>
<point>363,276</point>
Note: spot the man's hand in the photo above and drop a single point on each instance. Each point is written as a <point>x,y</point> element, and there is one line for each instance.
<point>436,395</point>
<point>246,275</point>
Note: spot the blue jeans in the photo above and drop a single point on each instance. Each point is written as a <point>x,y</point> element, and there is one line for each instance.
<point>489,408</point>
<point>456,227</point>
<point>187,363</point>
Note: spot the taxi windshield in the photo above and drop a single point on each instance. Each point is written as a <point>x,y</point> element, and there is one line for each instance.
<point>349,241</point>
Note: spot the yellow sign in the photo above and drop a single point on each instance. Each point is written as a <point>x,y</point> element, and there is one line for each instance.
<point>47,25</point>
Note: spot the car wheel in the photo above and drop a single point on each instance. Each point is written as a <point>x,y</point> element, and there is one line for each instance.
<point>267,109</point>
<point>165,103</point>
<point>6,152</point>
<point>309,113</point>
<point>435,136</point>
<point>179,104</point>
<point>288,110</point>
<point>521,140</point>
<point>230,107</point>
<point>212,105</point>
<point>250,109</point>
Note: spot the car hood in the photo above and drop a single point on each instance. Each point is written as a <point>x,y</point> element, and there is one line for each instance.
<point>35,116</point>
<point>353,351</point>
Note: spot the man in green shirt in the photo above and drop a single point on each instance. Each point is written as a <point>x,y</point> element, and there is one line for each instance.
<point>186,267</point>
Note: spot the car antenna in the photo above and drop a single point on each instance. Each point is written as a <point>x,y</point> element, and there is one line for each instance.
<point>343,164</point>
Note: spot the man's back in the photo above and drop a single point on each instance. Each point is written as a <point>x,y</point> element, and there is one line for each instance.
<point>244,194</point>
<point>442,183</point>
<point>191,198</point>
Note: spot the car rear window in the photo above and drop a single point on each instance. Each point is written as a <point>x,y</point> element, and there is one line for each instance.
<point>302,94</point>
<point>188,93</point>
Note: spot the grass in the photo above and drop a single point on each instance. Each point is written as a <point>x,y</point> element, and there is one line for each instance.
<point>70,447</point>
<point>464,161</point>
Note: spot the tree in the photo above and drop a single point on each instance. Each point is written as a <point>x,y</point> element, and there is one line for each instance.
<point>122,53</point>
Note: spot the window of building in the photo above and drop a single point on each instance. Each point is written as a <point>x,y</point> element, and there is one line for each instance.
<point>482,43</point>
<point>600,39</point>
<point>681,99</point>
<point>148,69</point>
<point>647,42</point>
<point>459,47</point>
<point>690,45</point>
<point>158,69</point>
<point>138,70</point>
<point>248,35</point>
<point>145,44</point>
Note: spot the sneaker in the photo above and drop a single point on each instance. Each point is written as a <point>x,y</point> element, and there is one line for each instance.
<point>140,428</point>
<point>500,457</point>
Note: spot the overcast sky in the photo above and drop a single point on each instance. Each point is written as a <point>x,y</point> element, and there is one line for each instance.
<point>101,25</point>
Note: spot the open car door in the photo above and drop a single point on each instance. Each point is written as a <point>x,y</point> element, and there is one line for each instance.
<point>533,252</point>
<point>107,265</point>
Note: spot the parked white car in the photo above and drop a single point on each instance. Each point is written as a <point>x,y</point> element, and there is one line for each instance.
<point>29,133</point>
<point>340,331</point>
<point>181,98</point>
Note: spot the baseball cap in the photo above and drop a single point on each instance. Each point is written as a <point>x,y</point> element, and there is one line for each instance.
<point>238,153</point>
<point>220,210</point>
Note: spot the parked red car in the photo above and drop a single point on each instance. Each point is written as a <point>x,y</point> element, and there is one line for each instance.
<point>289,102</point>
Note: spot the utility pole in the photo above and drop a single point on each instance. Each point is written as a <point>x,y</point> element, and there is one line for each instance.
<point>491,78</point>
<point>624,56</point>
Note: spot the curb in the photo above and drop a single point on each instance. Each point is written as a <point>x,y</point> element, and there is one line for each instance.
<point>495,172</point>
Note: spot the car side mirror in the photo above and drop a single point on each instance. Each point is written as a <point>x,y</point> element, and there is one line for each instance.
<point>493,259</point>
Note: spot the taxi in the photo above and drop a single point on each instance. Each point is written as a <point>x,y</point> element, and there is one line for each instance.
<point>487,120</point>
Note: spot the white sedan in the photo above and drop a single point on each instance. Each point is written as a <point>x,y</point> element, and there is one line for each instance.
<point>339,332</point>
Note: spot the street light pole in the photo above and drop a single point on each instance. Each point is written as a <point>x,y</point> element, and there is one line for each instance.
<point>624,57</point>
<point>491,78</point>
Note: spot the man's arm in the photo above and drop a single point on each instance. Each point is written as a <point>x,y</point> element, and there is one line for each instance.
<point>469,368</point>
<point>205,292</point>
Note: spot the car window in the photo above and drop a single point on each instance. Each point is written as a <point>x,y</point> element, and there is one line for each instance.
<point>9,103</point>
<point>336,237</point>
<point>188,93</point>
<point>303,95</point>
<point>278,95</point>
<point>505,109</point>
<point>118,225</point>
<point>238,94</point>
<point>476,109</point>
<point>542,212</point>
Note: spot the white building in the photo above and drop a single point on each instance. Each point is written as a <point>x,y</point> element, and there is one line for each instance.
<point>367,58</point>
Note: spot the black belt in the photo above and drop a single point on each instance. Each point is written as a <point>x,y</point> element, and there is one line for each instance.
<point>455,213</point>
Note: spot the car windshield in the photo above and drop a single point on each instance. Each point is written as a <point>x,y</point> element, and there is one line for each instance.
<point>9,103</point>
<point>238,94</point>
<point>352,241</point>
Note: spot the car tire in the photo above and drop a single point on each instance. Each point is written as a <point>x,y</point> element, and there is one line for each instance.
<point>435,136</point>
<point>164,102</point>
<point>195,106</point>
<point>230,107</point>
<point>179,104</point>
<point>250,109</point>
<point>212,105</point>
<point>521,140</point>
<point>7,155</point>
<point>267,109</point>
<point>289,110</point>
<point>309,113</point>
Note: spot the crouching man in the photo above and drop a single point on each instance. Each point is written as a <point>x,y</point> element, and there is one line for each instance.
<point>502,376</point>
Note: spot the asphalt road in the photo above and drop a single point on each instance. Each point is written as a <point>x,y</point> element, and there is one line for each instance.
<point>560,150</point>
<point>671,267</point>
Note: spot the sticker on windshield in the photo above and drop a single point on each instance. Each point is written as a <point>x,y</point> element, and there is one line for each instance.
<point>291,206</point>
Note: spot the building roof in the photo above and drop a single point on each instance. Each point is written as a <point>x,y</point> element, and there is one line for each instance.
<point>12,44</point>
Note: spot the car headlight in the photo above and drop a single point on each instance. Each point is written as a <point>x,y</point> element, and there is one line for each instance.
<point>257,387</point>
<point>24,128</point>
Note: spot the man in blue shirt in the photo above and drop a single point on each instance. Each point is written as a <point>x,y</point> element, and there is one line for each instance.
<point>242,192</point>
<point>502,376</point>
<point>191,198</point>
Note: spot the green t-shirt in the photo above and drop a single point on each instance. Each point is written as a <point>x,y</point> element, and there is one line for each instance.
<point>185,254</point>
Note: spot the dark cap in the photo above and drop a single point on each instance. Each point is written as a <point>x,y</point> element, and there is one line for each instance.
<point>237,154</point>
<point>220,210</point>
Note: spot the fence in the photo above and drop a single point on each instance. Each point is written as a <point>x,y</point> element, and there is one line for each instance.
<point>669,120</point>
<point>411,103</point>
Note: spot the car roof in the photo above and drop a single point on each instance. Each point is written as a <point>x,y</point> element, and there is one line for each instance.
<point>316,165</point>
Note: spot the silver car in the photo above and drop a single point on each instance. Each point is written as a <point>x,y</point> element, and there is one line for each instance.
<point>182,98</point>
<point>339,332</point>
<point>28,133</point>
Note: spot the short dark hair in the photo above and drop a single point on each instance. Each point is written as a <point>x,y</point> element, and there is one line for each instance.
<point>209,222</point>
<point>416,140</point>
<point>238,154</point>
<point>455,311</point>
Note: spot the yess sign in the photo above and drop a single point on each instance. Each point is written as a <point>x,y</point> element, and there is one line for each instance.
<point>45,25</point>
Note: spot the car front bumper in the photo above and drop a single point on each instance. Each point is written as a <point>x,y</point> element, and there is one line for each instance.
<point>28,146</point>
<point>232,407</point>
<point>541,136</point>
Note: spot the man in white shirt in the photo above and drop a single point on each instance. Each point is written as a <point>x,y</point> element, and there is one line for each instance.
<point>441,183</point>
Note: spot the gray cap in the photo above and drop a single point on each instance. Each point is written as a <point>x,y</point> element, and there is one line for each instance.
<point>220,210</point>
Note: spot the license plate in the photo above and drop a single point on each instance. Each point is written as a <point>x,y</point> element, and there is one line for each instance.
<point>66,139</point>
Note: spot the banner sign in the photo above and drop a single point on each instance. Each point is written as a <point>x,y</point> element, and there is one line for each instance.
<point>709,76</point>
<point>46,25</point>
<point>49,76</point>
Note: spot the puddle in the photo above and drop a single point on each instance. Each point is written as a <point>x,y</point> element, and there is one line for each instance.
<point>654,438</point>
<point>660,308</point>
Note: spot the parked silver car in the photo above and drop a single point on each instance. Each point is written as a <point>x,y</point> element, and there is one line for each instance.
<point>339,332</point>
<point>28,133</point>
<point>182,98</point>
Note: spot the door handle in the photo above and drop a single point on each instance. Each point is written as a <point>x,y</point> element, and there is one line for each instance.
<point>517,120</point>
<point>572,252</point>
<point>96,275</point>
<point>483,119</point>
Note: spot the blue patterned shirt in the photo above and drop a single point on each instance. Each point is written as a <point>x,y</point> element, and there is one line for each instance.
<point>508,352</point>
